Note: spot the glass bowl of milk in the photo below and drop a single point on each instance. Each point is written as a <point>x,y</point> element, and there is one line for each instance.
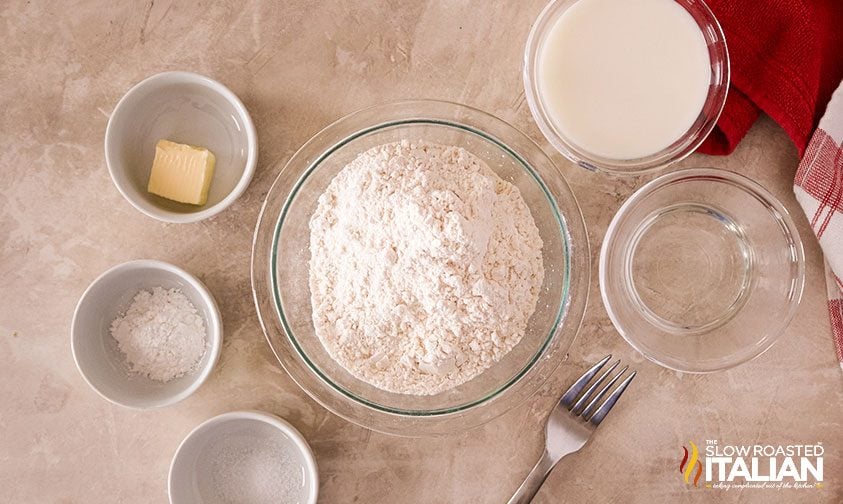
<point>627,86</point>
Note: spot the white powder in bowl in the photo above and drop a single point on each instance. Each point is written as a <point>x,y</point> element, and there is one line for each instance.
<point>161,334</point>
<point>425,267</point>
<point>247,470</point>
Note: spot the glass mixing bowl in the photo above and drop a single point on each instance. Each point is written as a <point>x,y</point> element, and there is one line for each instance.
<point>681,147</point>
<point>281,254</point>
<point>701,270</point>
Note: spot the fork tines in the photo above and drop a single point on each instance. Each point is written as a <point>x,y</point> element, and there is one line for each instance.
<point>589,405</point>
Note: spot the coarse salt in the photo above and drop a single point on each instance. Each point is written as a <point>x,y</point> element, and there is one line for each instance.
<point>247,470</point>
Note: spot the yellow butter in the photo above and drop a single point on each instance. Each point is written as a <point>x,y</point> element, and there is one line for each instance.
<point>181,172</point>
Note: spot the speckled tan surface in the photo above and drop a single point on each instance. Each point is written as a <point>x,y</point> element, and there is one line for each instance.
<point>298,65</point>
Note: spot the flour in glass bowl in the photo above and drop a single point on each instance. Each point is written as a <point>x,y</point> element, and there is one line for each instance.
<point>425,267</point>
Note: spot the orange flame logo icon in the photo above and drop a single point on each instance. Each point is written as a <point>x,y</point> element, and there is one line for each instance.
<point>687,466</point>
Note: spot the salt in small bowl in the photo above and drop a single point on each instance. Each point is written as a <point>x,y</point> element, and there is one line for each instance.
<point>253,455</point>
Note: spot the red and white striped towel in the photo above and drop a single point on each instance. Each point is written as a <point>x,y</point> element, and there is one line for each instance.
<point>819,189</point>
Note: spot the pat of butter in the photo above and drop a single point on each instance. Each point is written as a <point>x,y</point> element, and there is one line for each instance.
<point>181,172</point>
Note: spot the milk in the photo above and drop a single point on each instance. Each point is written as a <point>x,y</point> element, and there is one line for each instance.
<point>623,79</point>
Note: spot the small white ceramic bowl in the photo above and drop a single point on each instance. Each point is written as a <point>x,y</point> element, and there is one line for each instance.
<point>99,359</point>
<point>186,108</point>
<point>217,446</point>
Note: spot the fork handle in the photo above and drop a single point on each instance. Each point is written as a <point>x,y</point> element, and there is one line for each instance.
<point>531,485</point>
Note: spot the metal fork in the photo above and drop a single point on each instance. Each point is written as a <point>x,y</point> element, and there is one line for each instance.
<point>572,421</point>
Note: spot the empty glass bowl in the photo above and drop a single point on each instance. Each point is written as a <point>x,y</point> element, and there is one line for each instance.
<point>701,270</point>
<point>281,255</point>
<point>681,147</point>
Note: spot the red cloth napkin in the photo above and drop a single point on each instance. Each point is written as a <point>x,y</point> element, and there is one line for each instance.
<point>786,60</point>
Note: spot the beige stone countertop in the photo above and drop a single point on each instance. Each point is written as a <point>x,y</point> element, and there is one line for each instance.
<point>298,65</point>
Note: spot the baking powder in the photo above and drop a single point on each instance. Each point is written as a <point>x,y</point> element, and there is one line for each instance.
<point>161,334</point>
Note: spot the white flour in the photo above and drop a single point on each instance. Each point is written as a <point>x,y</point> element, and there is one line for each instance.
<point>425,267</point>
<point>161,334</point>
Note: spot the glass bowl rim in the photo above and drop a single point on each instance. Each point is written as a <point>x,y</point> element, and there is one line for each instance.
<point>777,211</point>
<point>619,167</point>
<point>555,351</point>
